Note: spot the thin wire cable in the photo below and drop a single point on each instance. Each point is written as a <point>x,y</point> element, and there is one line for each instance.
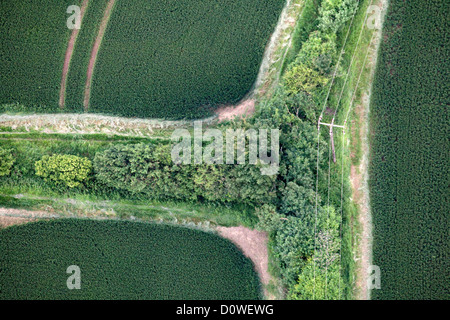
<point>318,145</point>
<point>339,62</point>
<point>351,62</point>
<point>359,79</point>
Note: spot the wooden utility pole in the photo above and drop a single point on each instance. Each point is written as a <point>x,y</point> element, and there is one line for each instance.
<point>331,125</point>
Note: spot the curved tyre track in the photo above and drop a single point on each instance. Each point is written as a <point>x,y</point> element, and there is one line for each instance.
<point>94,53</point>
<point>68,57</point>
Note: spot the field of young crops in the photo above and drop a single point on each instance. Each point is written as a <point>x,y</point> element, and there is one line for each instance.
<point>121,260</point>
<point>165,59</point>
<point>409,159</point>
<point>33,42</point>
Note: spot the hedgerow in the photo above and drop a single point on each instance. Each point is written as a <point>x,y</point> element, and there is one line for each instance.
<point>409,157</point>
<point>149,169</point>
<point>122,260</point>
<point>6,162</point>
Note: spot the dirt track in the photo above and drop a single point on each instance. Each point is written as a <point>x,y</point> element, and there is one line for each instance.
<point>68,58</point>
<point>359,178</point>
<point>253,244</point>
<point>95,49</point>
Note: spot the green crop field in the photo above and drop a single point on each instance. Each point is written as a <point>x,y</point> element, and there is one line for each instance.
<point>121,260</point>
<point>33,42</point>
<point>166,59</point>
<point>163,59</point>
<point>409,160</point>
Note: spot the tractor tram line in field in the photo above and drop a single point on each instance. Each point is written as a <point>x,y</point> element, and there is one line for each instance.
<point>68,57</point>
<point>94,54</point>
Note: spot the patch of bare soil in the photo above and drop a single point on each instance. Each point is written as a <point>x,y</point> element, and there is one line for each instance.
<point>253,244</point>
<point>95,49</point>
<point>68,57</point>
<point>9,217</point>
<point>244,109</point>
<point>11,221</point>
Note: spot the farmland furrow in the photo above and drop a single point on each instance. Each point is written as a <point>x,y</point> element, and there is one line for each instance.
<point>68,57</point>
<point>95,49</point>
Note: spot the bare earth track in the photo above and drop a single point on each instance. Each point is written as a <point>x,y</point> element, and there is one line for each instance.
<point>359,175</point>
<point>68,57</point>
<point>253,244</point>
<point>95,49</point>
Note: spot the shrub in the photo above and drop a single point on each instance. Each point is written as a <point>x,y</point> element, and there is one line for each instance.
<point>269,219</point>
<point>303,78</point>
<point>6,162</point>
<point>64,169</point>
<point>149,170</point>
<point>318,51</point>
<point>334,13</point>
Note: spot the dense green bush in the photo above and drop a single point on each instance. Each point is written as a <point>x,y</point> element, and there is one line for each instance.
<point>6,162</point>
<point>302,78</point>
<point>122,260</point>
<point>149,169</point>
<point>64,169</point>
<point>334,13</point>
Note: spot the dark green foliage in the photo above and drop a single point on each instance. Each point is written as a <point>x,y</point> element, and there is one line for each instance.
<point>6,162</point>
<point>305,25</point>
<point>297,200</point>
<point>179,59</point>
<point>409,166</point>
<point>149,169</point>
<point>268,218</point>
<point>294,243</point>
<point>294,106</point>
<point>122,260</point>
<point>335,13</point>
<point>33,43</point>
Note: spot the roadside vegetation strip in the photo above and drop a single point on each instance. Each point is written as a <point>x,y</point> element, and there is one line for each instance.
<point>86,206</point>
<point>95,50</point>
<point>93,123</point>
<point>277,47</point>
<point>68,57</point>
